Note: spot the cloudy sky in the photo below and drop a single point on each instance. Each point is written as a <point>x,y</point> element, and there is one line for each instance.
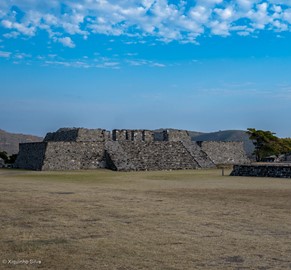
<point>202,65</point>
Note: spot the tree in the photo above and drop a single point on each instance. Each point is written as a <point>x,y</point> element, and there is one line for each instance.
<point>12,159</point>
<point>266,143</point>
<point>4,156</point>
<point>8,159</point>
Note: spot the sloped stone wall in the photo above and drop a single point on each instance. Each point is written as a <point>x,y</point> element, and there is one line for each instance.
<point>199,155</point>
<point>177,135</point>
<point>225,152</point>
<point>280,171</point>
<point>93,135</point>
<point>157,156</point>
<point>172,135</point>
<point>77,148</point>
<point>78,135</point>
<point>74,156</point>
<point>63,134</point>
<point>122,156</point>
<point>116,157</point>
<point>31,156</point>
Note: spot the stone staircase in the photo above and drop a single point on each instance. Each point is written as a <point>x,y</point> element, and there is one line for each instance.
<point>199,155</point>
<point>139,156</point>
<point>116,157</point>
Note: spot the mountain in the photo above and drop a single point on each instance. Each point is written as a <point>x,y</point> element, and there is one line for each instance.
<point>227,136</point>
<point>9,142</point>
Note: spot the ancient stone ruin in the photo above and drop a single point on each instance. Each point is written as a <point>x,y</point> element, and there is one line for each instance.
<point>126,150</point>
<point>262,170</point>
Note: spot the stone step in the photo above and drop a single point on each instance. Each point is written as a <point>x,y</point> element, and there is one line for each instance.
<point>199,155</point>
<point>116,157</point>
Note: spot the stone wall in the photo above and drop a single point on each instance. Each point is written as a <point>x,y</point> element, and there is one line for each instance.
<point>225,152</point>
<point>151,156</point>
<point>120,135</point>
<point>177,135</point>
<point>170,135</point>
<point>288,157</point>
<point>148,136</point>
<point>56,156</point>
<point>78,135</point>
<point>116,158</point>
<point>199,155</point>
<point>77,148</point>
<point>31,156</point>
<point>281,171</point>
<point>159,136</point>
<point>63,134</point>
<point>93,135</point>
<point>74,156</point>
<point>136,135</point>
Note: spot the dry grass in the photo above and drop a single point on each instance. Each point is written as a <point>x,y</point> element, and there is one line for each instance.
<point>143,220</point>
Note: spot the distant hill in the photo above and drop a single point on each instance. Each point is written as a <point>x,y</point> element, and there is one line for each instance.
<point>227,136</point>
<point>9,142</point>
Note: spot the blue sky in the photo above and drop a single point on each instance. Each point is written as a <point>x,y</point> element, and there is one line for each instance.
<point>199,65</point>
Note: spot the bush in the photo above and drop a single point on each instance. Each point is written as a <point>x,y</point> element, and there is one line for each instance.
<point>8,159</point>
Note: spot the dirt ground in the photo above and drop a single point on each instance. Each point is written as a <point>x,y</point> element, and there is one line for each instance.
<point>143,220</point>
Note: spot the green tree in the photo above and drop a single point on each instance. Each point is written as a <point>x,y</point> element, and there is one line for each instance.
<point>4,156</point>
<point>266,143</point>
<point>12,159</point>
<point>8,159</point>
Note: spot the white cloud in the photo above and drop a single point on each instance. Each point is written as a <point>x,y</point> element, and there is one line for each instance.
<point>5,54</point>
<point>7,24</point>
<point>260,16</point>
<point>200,14</point>
<point>161,19</point>
<point>246,4</point>
<point>143,62</point>
<point>66,41</point>
<point>225,14</point>
<point>22,55</point>
<point>12,34</point>
<point>83,63</point>
<point>220,28</point>
<point>110,64</point>
<point>76,64</point>
<point>287,15</point>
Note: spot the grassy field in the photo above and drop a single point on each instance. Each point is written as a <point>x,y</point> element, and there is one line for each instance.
<point>143,220</point>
